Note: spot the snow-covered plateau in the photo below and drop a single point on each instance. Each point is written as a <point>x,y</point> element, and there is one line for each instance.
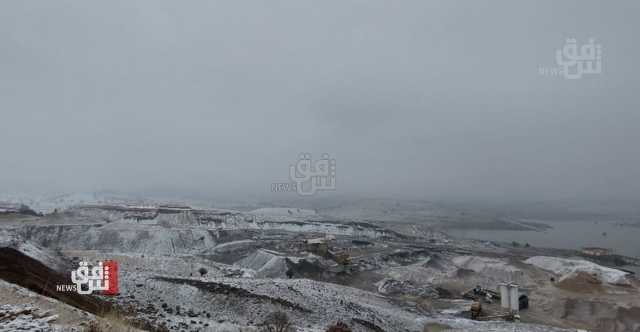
<point>197,269</point>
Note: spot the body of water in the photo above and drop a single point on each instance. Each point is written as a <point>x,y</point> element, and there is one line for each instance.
<point>624,240</point>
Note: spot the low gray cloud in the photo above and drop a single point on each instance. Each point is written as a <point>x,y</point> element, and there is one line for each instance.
<point>412,98</point>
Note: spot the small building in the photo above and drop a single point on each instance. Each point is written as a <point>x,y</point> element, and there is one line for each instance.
<point>319,246</point>
<point>596,251</point>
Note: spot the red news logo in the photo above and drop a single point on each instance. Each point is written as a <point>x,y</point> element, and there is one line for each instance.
<point>102,277</point>
<point>111,267</point>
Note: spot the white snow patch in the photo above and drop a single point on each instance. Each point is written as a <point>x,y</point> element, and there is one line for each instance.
<point>265,264</point>
<point>496,268</point>
<point>233,245</point>
<point>565,266</point>
<point>283,211</point>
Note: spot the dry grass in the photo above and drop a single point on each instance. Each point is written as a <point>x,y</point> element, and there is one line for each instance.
<point>110,323</point>
<point>435,327</point>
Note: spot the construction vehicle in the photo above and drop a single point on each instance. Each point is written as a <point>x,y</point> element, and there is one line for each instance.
<point>479,293</point>
<point>342,258</point>
<point>476,310</point>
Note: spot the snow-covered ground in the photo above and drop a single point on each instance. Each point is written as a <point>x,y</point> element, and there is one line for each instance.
<point>295,212</point>
<point>47,203</point>
<point>10,239</point>
<point>566,266</point>
<point>498,269</point>
<point>264,264</point>
<point>25,318</point>
<point>213,270</point>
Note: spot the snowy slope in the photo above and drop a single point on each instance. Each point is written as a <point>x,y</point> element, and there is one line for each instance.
<point>565,266</point>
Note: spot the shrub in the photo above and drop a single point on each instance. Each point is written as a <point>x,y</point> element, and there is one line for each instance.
<point>277,321</point>
<point>339,327</point>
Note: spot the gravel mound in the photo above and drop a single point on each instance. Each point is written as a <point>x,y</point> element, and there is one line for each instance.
<point>266,264</point>
<point>565,266</point>
<point>580,282</point>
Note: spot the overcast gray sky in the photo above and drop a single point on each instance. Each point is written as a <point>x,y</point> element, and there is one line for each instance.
<point>412,98</point>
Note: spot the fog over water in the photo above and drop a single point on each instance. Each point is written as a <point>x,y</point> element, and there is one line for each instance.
<point>426,99</point>
<point>566,235</point>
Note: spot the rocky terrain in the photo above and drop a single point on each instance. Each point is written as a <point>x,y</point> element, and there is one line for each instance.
<point>198,269</point>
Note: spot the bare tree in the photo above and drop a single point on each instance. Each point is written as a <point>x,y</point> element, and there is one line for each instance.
<point>339,327</point>
<point>277,321</point>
